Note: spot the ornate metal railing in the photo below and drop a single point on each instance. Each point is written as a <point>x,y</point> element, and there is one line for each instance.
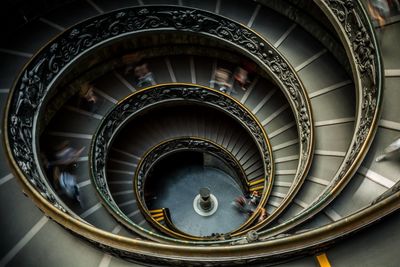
<point>168,147</point>
<point>31,91</point>
<point>38,80</point>
<point>355,30</point>
<point>148,98</point>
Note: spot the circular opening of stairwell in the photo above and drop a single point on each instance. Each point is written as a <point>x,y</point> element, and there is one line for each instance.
<point>169,129</point>
<point>198,189</point>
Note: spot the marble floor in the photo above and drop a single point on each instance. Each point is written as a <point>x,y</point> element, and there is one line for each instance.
<point>178,187</point>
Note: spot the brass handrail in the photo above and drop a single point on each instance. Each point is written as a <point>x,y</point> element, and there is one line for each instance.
<point>165,148</point>
<point>210,24</point>
<point>22,158</point>
<point>356,32</point>
<point>152,96</point>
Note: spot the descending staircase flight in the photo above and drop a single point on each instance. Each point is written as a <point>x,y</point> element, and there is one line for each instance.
<point>304,132</point>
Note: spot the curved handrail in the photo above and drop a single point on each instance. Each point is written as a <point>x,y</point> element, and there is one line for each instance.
<point>150,97</point>
<point>183,143</point>
<point>354,28</point>
<point>168,221</point>
<point>163,214</point>
<point>46,67</point>
<point>166,148</point>
<point>270,250</point>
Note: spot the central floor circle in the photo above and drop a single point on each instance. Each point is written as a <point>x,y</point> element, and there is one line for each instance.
<point>175,185</point>
<point>197,208</point>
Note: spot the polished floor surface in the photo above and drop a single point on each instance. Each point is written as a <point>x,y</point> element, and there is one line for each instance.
<point>177,189</point>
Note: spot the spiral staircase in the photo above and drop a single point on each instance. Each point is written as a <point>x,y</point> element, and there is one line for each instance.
<point>320,106</point>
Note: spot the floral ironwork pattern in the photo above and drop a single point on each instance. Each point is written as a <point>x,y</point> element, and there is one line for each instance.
<point>144,99</point>
<point>34,84</point>
<point>360,39</point>
<point>182,144</point>
<point>367,62</point>
<point>160,151</point>
<point>31,89</point>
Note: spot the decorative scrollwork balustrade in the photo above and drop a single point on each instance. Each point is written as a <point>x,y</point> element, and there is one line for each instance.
<point>168,147</point>
<point>355,30</point>
<point>150,97</point>
<point>37,81</point>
